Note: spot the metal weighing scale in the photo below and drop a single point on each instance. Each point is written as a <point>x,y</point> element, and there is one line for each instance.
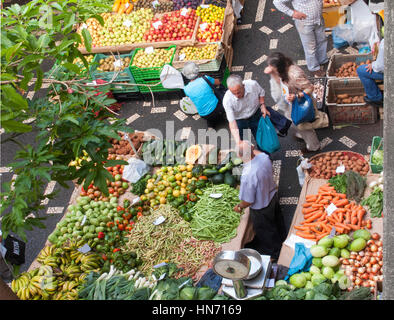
<point>244,272</point>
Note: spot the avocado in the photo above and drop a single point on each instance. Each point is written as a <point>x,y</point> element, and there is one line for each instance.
<point>217,178</point>
<point>229,179</point>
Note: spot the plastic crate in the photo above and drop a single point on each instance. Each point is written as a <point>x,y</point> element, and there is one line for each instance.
<point>376,143</point>
<point>124,75</point>
<point>354,113</point>
<point>146,74</point>
<point>338,60</point>
<point>158,88</point>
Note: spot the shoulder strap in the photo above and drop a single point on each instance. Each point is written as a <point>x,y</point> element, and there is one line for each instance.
<point>209,82</point>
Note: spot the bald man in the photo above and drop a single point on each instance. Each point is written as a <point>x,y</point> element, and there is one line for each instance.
<point>258,191</point>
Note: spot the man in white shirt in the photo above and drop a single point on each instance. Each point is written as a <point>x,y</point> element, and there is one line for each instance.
<point>259,192</point>
<point>309,22</point>
<point>371,72</point>
<point>244,105</point>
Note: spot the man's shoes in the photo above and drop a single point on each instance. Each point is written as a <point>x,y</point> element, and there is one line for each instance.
<point>283,133</point>
<point>373,102</point>
<point>318,74</point>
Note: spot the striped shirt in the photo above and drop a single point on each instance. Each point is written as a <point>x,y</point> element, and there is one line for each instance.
<point>312,8</point>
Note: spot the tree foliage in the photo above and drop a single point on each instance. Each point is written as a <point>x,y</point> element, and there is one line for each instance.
<point>72,117</point>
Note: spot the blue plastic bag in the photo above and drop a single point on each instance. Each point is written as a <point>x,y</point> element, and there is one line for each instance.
<point>266,136</point>
<point>302,110</point>
<point>302,260</point>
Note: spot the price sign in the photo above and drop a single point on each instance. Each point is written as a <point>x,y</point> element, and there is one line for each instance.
<point>149,50</point>
<point>184,12</point>
<point>155,3</point>
<point>135,200</point>
<point>332,233</point>
<point>127,5</point>
<point>127,23</point>
<point>203,26</point>
<point>83,220</point>
<point>118,63</point>
<point>160,265</point>
<point>157,24</point>
<point>85,248</point>
<point>216,195</point>
<point>182,57</point>
<point>340,169</point>
<point>205,6</point>
<point>84,26</point>
<point>331,208</point>
<point>159,220</point>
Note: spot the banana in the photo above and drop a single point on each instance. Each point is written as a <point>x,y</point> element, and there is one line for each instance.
<point>32,289</point>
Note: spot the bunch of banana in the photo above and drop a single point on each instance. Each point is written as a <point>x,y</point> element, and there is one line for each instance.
<point>21,283</point>
<point>90,262</point>
<point>51,261</point>
<point>47,251</point>
<point>72,271</point>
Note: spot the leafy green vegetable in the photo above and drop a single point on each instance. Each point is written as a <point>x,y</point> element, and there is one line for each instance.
<point>356,185</point>
<point>377,157</point>
<point>205,293</point>
<point>374,202</point>
<point>339,182</point>
<point>361,293</point>
<point>188,293</point>
<point>139,187</point>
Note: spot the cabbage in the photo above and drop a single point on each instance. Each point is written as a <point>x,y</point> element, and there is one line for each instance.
<point>345,253</point>
<point>328,272</point>
<point>187,293</point>
<point>377,157</point>
<point>310,294</point>
<point>307,275</point>
<point>341,241</point>
<point>330,261</point>
<point>317,262</point>
<point>309,285</point>
<point>298,280</point>
<point>344,282</point>
<point>317,279</point>
<point>314,270</point>
<point>362,233</point>
<point>205,293</point>
<point>358,244</point>
<point>280,283</point>
<point>318,251</point>
<point>326,242</point>
<point>335,252</point>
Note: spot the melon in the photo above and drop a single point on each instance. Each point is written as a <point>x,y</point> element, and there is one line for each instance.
<point>192,154</point>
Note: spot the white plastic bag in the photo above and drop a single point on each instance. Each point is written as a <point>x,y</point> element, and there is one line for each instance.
<point>187,106</point>
<point>135,170</point>
<point>171,78</point>
<point>364,23</point>
<point>237,7</point>
<point>304,165</point>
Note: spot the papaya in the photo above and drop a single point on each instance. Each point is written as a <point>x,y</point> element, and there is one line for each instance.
<point>192,154</point>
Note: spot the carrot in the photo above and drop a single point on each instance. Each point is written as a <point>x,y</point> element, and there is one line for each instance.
<point>307,216</point>
<point>307,204</point>
<point>324,193</point>
<point>341,195</point>
<point>339,229</point>
<point>353,213</point>
<point>315,216</point>
<point>347,219</point>
<point>301,228</point>
<point>308,210</point>
<point>306,235</point>
<point>326,227</point>
<point>340,216</point>
<point>311,198</point>
<point>341,203</point>
<point>360,216</point>
<point>353,220</point>
<point>353,226</point>
<point>326,189</point>
<point>335,199</point>
<point>345,226</point>
<point>317,205</point>
<point>348,206</point>
<point>324,216</point>
<point>322,235</point>
<point>331,219</point>
<point>316,231</point>
<point>324,201</point>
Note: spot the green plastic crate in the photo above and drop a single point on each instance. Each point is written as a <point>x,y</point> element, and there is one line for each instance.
<point>158,88</point>
<point>124,75</point>
<point>147,74</point>
<point>376,141</point>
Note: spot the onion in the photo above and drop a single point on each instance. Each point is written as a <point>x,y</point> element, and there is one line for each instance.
<point>375,254</point>
<point>357,281</point>
<point>369,270</point>
<point>358,258</point>
<point>357,264</point>
<point>379,243</point>
<point>354,269</point>
<point>361,253</point>
<point>365,284</point>
<point>375,236</point>
<point>375,278</point>
<point>361,270</point>
<point>373,260</point>
<point>368,265</point>
<point>380,263</point>
<point>364,260</point>
<point>349,273</point>
<point>372,283</point>
<point>380,278</point>
<point>351,261</point>
<point>365,276</point>
<point>345,261</point>
<point>380,249</point>
<point>351,277</point>
<point>353,255</point>
<point>371,276</point>
<point>375,270</point>
<point>370,242</point>
<point>374,248</point>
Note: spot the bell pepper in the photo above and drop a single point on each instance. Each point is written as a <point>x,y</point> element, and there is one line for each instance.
<point>126,203</point>
<point>101,235</point>
<point>115,250</point>
<point>192,197</point>
<point>119,208</point>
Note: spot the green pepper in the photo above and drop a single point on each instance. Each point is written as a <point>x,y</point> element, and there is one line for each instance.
<point>187,216</point>
<point>198,191</point>
<point>126,203</point>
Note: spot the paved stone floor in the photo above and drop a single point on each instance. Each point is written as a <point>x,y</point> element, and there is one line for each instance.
<point>262,31</point>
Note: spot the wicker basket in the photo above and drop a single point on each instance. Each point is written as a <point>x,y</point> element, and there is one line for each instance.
<point>345,152</point>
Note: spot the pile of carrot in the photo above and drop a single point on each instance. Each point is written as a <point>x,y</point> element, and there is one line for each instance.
<point>349,216</point>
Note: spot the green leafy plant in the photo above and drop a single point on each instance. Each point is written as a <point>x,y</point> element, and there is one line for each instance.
<point>72,117</point>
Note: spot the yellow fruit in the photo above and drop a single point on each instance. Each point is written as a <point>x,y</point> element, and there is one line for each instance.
<point>176,193</point>
<point>178,177</point>
<point>189,175</point>
<point>189,167</point>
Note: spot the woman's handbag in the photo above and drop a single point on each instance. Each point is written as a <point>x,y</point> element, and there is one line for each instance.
<point>302,110</point>
<point>219,91</point>
<point>266,136</point>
